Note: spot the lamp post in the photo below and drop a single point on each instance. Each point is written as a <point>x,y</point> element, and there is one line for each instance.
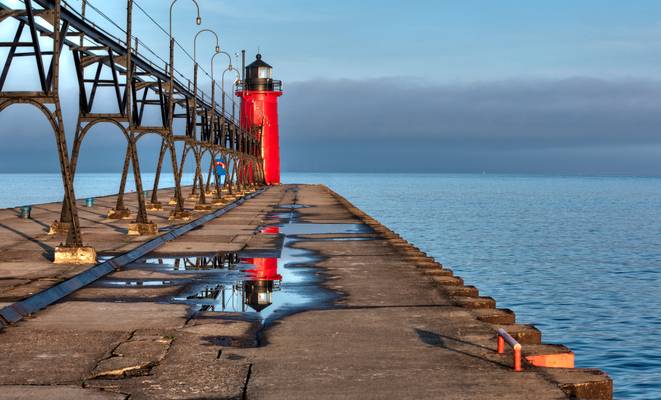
<point>179,208</point>
<point>230,68</point>
<point>198,21</point>
<point>237,144</point>
<point>195,43</point>
<point>193,130</point>
<point>195,72</point>
<point>222,114</point>
<point>213,83</point>
<point>229,58</point>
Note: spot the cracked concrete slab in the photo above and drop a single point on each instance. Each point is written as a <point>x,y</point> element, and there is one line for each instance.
<point>52,357</point>
<point>134,357</point>
<point>26,392</point>
<point>109,316</point>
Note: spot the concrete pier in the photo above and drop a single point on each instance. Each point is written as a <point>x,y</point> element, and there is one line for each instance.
<point>378,319</point>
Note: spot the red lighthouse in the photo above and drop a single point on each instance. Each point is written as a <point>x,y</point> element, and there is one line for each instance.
<point>259,108</point>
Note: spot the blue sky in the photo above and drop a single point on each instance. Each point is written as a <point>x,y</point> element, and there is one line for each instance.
<point>442,86</point>
<point>442,41</point>
<point>449,40</point>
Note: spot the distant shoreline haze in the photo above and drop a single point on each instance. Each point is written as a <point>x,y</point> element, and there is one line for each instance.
<point>440,174</point>
<point>35,188</point>
<point>581,126</point>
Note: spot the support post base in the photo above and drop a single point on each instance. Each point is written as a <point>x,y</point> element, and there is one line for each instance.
<point>75,255</point>
<point>122,213</point>
<point>154,206</point>
<point>173,201</point>
<point>142,229</point>
<point>202,207</point>
<point>58,227</point>
<point>180,215</point>
<point>193,197</point>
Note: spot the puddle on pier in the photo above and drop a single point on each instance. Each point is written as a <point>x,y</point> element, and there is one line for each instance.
<point>267,288</point>
<point>290,282</point>
<point>252,292</point>
<point>301,228</point>
<point>293,206</point>
<point>275,218</point>
<point>135,283</point>
<point>229,261</point>
<point>264,287</point>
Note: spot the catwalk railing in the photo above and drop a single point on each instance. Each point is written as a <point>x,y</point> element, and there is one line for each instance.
<point>138,96</point>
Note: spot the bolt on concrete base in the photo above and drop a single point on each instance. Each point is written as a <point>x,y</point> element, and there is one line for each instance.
<point>154,206</point>
<point>58,227</point>
<point>181,215</point>
<point>122,213</point>
<point>142,229</point>
<point>75,255</point>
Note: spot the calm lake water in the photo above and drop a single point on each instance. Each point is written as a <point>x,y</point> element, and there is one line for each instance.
<point>580,257</point>
<point>23,189</point>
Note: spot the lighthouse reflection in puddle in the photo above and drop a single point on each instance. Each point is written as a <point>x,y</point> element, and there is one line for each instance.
<point>269,287</point>
<point>263,280</point>
<point>255,291</point>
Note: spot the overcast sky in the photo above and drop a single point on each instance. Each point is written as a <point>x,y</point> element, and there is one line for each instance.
<point>428,86</point>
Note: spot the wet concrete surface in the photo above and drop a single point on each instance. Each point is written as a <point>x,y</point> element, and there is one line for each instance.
<point>130,339</point>
<point>306,298</point>
<point>26,248</point>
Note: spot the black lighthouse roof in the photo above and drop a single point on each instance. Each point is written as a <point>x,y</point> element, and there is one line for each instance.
<point>258,63</point>
<point>259,77</point>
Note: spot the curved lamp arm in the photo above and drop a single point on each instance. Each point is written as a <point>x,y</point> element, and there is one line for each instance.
<point>230,68</point>
<point>214,56</point>
<point>198,19</point>
<point>195,43</point>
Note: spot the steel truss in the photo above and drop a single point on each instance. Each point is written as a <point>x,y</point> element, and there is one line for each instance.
<point>136,86</point>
